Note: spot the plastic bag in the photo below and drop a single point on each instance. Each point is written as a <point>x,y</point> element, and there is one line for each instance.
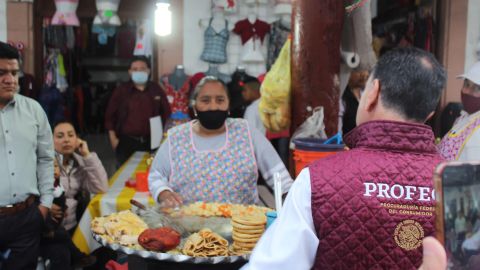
<point>313,127</point>
<point>274,106</point>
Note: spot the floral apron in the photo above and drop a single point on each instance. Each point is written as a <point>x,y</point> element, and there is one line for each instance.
<point>454,141</point>
<point>228,174</point>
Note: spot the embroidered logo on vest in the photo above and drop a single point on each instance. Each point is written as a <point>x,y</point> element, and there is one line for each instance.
<point>408,234</point>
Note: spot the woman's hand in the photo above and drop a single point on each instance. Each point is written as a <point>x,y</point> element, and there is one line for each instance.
<point>169,199</point>
<point>82,148</point>
<point>56,212</point>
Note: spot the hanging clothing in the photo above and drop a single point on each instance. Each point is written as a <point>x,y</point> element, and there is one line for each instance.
<point>126,42</point>
<point>215,49</point>
<point>66,13</point>
<point>195,79</point>
<point>55,36</point>
<point>252,36</point>
<point>51,101</point>
<point>177,98</point>
<point>143,45</point>
<point>278,36</point>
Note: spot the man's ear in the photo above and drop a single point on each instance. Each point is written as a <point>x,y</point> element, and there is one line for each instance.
<point>373,96</point>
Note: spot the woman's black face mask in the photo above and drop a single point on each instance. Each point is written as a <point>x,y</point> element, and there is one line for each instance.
<point>212,119</point>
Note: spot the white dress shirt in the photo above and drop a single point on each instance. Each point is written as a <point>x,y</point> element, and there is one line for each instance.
<point>26,151</point>
<point>252,115</point>
<point>290,242</point>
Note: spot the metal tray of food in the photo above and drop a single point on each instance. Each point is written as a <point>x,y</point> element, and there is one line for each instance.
<point>180,258</point>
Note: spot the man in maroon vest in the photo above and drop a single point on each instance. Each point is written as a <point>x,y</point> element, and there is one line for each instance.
<point>370,207</point>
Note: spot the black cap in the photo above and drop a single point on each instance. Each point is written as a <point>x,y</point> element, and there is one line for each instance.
<point>248,79</point>
<point>8,52</point>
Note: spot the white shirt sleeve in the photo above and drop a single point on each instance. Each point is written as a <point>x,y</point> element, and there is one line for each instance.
<point>290,242</point>
<point>253,117</point>
<point>268,160</point>
<point>160,171</point>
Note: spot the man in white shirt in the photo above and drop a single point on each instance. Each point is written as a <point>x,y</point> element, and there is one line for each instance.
<point>356,209</point>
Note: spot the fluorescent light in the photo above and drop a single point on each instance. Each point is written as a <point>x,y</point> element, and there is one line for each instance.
<point>163,19</point>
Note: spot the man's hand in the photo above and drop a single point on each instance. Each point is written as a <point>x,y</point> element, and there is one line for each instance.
<point>43,210</point>
<point>56,212</point>
<point>169,199</point>
<point>113,139</point>
<point>434,255</point>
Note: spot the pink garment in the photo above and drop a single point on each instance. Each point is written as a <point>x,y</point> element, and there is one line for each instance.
<point>453,142</point>
<point>86,174</point>
<point>373,205</point>
<point>228,174</point>
<point>66,13</point>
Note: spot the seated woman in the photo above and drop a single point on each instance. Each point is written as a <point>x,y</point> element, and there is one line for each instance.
<point>462,142</point>
<point>80,170</point>
<point>214,158</point>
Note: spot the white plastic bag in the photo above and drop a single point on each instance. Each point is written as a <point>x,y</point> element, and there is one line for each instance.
<point>313,127</point>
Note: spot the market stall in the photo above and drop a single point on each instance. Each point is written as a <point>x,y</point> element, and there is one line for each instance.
<point>228,222</point>
<point>116,199</point>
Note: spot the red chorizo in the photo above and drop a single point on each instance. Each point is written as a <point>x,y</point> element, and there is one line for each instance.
<point>159,239</point>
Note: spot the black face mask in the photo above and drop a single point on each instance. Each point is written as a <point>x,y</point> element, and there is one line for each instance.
<point>212,119</point>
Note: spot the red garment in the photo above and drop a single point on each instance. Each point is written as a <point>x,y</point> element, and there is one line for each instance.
<point>113,265</point>
<point>356,227</point>
<point>129,109</point>
<point>247,30</point>
<point>196,78</point>
<point>177,98</point>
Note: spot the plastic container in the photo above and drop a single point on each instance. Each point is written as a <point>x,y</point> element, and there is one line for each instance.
<point>308,150</point>
<point>142,181</point>
<point>271,216</point>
